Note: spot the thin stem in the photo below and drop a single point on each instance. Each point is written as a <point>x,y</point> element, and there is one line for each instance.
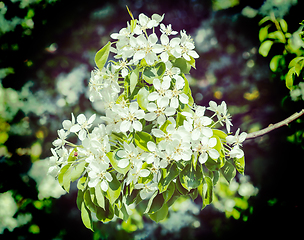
<point>275,126</point>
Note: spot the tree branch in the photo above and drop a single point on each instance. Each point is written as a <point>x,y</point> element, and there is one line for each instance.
<point>275,126</point>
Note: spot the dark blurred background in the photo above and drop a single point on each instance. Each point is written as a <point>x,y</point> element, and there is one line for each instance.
<point>47,50</point>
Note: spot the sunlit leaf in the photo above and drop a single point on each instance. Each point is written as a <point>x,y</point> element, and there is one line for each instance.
<point>265,48</point>
<point>101,56</point>
<point>114,163</point>
<point>289,78</point>
<point>284,25</point>
<point>141,140</point>
<point>99,196</point>
<point>114,189</point>
<point>86,216</point>
<point>275,62</point>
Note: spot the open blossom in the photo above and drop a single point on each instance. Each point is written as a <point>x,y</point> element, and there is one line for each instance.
<point>137,172</point>
<point>160,94</point>
<point>176,94</point>
<point>222,113</point>
<point>171,47</point>
<point>171,72</point>
<point>167,30</point>
<point>237,139</point>
<point>131,116</point>
<point>99,175</point>
<point>187,47</point>
<point>129,155</point>
<point>205,147</point>
<point>148,48</point>
<point>159,113</point>
<point>82,125</point>
<point>60,142</point>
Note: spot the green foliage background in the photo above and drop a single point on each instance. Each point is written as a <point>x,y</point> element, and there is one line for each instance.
<point>47,50</point>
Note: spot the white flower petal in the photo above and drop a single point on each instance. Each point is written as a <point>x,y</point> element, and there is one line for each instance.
<point>81,118</point>
<point>214,154</point>
<point>75,128</point>
<point>144,173</point>
<point>125,126</point>
<point>137,126</point>
<point>123,163</point>
<point>104,185</point>
<point>91,119</point>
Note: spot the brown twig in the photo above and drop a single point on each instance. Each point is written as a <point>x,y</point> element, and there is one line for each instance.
<point>275,126</point>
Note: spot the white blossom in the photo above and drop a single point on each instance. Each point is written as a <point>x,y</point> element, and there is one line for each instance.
<point>82,125</point>
<point>98,174</point>
<point>205,147</point>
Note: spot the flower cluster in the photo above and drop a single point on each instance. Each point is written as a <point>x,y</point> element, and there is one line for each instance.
<point>154,136</point>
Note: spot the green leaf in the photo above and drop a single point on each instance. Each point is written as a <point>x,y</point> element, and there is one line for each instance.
<point>180,119</point>
<point>263,33</point>
<point>77,170</point>
<point>133,79</point>
<point>82,182</point>
<point>142,98</point>
<point>88,201</point>
<point>289,78</point>
<point>278,35</point>
<point>240,164</point>
<point>149,204</point>
<point>141,140</point>
<point>161,214</point>
<point>102,56</point>
<point>157,203</point>
<point>152,72</point>
<point>275,62</point>
<point>99,196</point>
<point>114,163</point>
<point>265,48</point>
<point>294,61</point>
<point>284,25</point>
<point>183,65</point>
<point>169,174</point>
<point>187,90</point>
<point>121,212</point>
<point>194,194</point>
<point>191,178</point>
<point>165,125</point>
<point>265,19</point>
<point>79,199</point>
<point>64,177</point>
<point>131,198</point>
<point>207,191</point>
<point>219,133</point>
<point>169,192</point>
<point>180,188</point>
<point>86,217</point>
<point>107,214</point>
<point>114,189</point>
<point>228,171</point>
